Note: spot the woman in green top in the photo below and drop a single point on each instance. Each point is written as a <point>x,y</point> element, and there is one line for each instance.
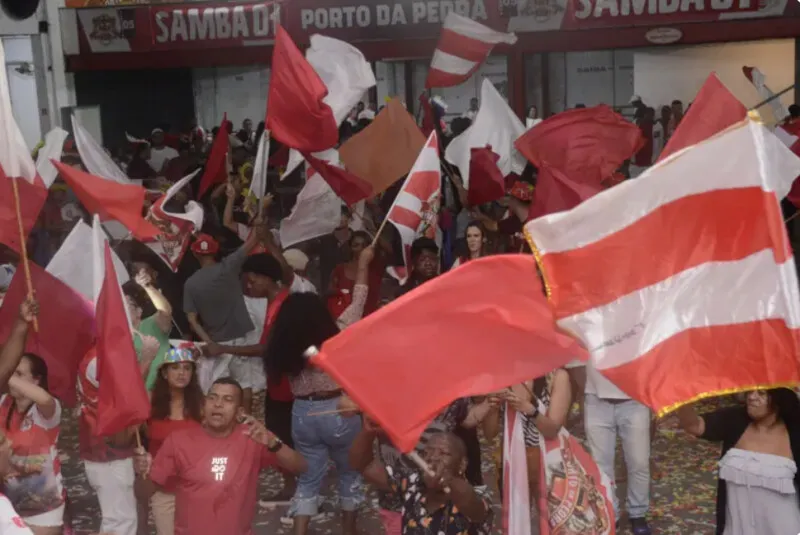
<point>150,334</point>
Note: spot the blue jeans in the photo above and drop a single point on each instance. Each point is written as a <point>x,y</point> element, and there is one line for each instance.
<point>318,439</point>
<point>604,420</point>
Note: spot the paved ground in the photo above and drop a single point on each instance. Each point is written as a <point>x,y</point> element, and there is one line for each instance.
<point>683,490</point>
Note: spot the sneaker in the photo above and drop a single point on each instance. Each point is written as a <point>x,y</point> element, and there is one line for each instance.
<point>639,526</point>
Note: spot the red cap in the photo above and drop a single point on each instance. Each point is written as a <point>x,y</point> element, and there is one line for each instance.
<point>205,244</point>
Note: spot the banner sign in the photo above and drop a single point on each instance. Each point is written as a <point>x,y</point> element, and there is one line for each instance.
<point>192,25</point>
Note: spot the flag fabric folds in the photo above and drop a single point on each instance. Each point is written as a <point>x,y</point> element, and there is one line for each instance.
<point>258,186</point>
<point>66,326</point>
<point>14,155</point>
<point>69,263</point>
<point>576,494</point>
<point>516,499</point>
<point>317,212</point>
<point>346,185</point>
<point>515,339</point>
<point>487,183</point>
<point>52,149</point>
<point>415,211</point>
<point>216,169</point>
<point>297,114</point>
<point>122,398</point>
<point>779,110</point>
<point>94,157</point>
<point>463,45</point>
<point>386,150</point>
<point>31,201</point>
<point>713,110</point>
<point>575,152</point>
<point>175,228</point>
<point>495,124</point>
<point>110,200</point>
<point>674,298</point>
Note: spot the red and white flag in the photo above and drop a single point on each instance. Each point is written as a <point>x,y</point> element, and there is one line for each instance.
<point>463,45</point>
<point>176,228</point>
<point>94,157</point>
<point>415,211</point>
<point>122,398</point>
<point>574,492</point>
<point>779,110</point>
<point>16,163</point>
<point>71,265</point>
<point>658,282</point>
<point>51,150</point>
<point>516,499</point>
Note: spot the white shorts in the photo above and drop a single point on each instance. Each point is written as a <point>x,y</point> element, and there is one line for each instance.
<point>248,371</point>
<point>49,519</point>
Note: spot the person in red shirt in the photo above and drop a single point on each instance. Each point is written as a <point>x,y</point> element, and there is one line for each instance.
<point>214,468</point>
<point>177,404</point>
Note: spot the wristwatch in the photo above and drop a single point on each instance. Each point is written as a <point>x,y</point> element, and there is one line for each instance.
<point>277,445</point>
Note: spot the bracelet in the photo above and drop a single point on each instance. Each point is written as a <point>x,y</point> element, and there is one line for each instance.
<point>276,446</point>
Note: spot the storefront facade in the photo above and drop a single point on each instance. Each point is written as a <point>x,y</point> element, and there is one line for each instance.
<point>568,51</point>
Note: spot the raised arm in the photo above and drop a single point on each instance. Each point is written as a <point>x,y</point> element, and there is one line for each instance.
<point>41,397</point>
<point>227,214</point>
<point>163,308</point>
<point>14,347</point>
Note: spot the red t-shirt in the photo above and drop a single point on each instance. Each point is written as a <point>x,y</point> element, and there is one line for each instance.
<point>159,430</point>
<point>215,480</point>
<point>278,388</point>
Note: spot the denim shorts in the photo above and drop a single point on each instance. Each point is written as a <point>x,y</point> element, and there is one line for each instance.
<point>321,439</point>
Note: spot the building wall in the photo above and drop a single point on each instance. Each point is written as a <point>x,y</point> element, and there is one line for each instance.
<point>590,78</point>
<point>241,92</point>
<point>664,74</point>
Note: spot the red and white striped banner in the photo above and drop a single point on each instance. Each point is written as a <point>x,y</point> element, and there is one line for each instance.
<point>463,45</point>
<point>415,212</point>
<point>660,282</point>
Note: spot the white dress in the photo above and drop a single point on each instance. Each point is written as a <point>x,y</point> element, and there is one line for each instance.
<point>762,498</point>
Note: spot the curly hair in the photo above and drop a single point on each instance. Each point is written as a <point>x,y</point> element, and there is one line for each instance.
<point>192,397</point>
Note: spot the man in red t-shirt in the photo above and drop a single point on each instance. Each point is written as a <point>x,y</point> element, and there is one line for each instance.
<point>214,469</point>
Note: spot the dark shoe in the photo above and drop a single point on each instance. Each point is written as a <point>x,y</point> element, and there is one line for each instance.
<point>639,527</point>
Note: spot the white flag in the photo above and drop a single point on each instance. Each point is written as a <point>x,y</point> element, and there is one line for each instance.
<point>496,125</point>
<point>316,212</point>
<point>69,264</point>
<point>516,499</point>
<point>52,150</point>
<point>14,155</point>
<point>258,186</point>
<point>94,157</point>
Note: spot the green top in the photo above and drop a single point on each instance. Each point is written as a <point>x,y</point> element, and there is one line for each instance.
<point>149,327</point>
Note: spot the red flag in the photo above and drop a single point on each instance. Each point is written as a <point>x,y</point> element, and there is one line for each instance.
<point>296,114</point>
<point>586,144</point>
<point>122,399</point>
<point>486,182</point>
<point>556,192</point>
<point>428,117</point>
<point>31,200</point>
<point>714,109</point>
<point>66,328</point>
<point>110,200</point>
<point>216,171</point>
<point>346,185</point>
<point>375,358</point>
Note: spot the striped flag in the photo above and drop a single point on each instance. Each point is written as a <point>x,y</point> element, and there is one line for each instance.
<point>415,211</point>
<point>681,283</point>
<point>463,45</point>
<point>757,78</point>
<point>516,498</point>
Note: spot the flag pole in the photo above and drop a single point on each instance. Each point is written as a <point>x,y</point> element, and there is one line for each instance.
<point>773,97</point>
<point>23,247</point>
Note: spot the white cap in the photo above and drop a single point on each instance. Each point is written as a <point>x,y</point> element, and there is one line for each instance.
<point>635,98</point>
<point>296,258</point>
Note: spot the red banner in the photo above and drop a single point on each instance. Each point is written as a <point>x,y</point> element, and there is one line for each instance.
<point>220,25</point>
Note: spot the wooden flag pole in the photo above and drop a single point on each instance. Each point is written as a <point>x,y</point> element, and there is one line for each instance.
<point>23,247</point>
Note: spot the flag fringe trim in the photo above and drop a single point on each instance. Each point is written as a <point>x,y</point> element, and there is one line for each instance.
<point>537,255</point>
<point>724,392</point>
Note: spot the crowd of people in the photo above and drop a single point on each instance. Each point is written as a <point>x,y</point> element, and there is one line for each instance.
<point>243,396</point>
